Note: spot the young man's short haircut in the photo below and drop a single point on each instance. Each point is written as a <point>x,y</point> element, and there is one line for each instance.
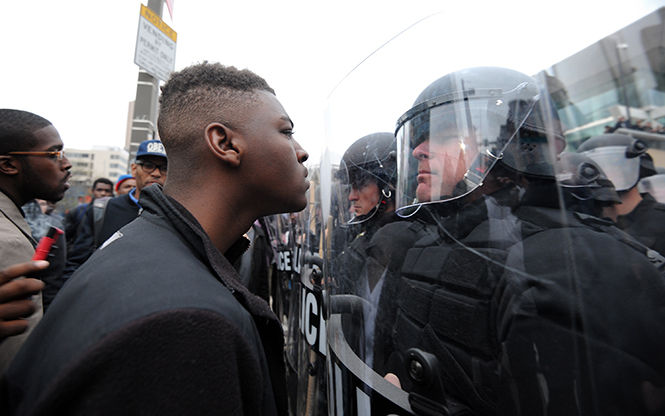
<point>16,130</point>
<point>199,95</point>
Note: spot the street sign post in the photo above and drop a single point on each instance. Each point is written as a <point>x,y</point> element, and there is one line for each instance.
<point>155,45</point>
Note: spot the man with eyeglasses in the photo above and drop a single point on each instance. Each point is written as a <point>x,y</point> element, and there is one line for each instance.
<point>108,215</point>
<point>32,165</point>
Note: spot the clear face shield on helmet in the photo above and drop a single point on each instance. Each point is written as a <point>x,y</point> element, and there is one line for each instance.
<point>654,186</point>
<point>624,172</point>
<point>487,293</point>
<point>359,195</point>
<point>450,142</point>
<point>365,180</point>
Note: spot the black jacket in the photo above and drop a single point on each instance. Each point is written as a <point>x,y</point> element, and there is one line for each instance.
<point>156,322</point>
<point>646,223</point>
<point>529,312</point>
<point>119,211</point>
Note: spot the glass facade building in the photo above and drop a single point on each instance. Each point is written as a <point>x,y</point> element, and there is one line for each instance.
<point>620,78</point>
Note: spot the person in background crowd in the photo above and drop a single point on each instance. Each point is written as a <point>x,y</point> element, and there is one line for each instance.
<point>124,184</point>
<point>171,329</point>
<point>625,161</point>
<point>32,165</point>
<point>622,123</point>
<point>101,187</point>
<point>107,216</point>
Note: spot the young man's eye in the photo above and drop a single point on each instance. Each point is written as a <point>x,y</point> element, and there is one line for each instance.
<point>288,132</point>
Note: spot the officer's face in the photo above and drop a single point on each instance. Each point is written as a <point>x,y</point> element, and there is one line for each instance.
<point>442,163</point>
<point>363,198</point>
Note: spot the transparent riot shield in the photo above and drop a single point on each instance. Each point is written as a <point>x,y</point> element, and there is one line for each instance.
<point>297,298</point>
<point>494,281</point>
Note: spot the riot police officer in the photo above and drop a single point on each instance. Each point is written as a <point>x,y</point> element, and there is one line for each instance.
<point>366,178</point>
<point>588,192</point>
<point>585,187</point>
<point>626,161</point>
<point>506,302</point>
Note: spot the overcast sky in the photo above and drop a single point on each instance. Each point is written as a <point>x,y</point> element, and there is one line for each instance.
<point>72,61</point>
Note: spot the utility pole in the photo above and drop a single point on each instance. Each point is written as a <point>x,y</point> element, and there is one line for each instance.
<point>144,119</point>
<point>619,47</point>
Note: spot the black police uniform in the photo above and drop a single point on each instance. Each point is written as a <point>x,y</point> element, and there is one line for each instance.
<point>646,223</point>
<point>510,331</point>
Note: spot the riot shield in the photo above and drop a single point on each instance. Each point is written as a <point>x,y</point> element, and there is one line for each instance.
<point>297,300</point>
<point>483,290</point>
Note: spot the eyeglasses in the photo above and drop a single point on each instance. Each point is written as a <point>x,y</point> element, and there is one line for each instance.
<point>149,167</point>
<point>56,154</point>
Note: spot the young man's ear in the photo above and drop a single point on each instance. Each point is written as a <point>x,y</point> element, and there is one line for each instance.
<point>9,165</point>
<point>225,143</point>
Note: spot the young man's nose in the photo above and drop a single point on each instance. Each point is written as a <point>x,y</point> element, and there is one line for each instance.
<point>301,153</point>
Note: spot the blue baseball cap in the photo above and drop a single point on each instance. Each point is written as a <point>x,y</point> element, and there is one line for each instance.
<point>151,148</point>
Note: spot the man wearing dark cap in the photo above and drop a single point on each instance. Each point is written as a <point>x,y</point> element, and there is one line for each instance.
<point>108,215</point>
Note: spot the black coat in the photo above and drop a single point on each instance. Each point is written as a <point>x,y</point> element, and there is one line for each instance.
<point>119,212</point>
<point>155,322</point>
<point>646,223</point>
<point>530,313</point>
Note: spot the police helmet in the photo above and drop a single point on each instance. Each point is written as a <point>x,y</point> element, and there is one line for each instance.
<point>583,179</point>
<point>624,159</point>
<point>371,158</point>
<point>654,186</point>
<point>464,123</point>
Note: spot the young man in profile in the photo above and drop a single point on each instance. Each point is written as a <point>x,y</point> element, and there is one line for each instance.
<point>156,321</point>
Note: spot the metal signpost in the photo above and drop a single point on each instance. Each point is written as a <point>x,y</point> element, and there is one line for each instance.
<point>155,55</point>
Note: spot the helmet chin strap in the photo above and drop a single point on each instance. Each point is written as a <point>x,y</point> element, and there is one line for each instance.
<point>380,206</point>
